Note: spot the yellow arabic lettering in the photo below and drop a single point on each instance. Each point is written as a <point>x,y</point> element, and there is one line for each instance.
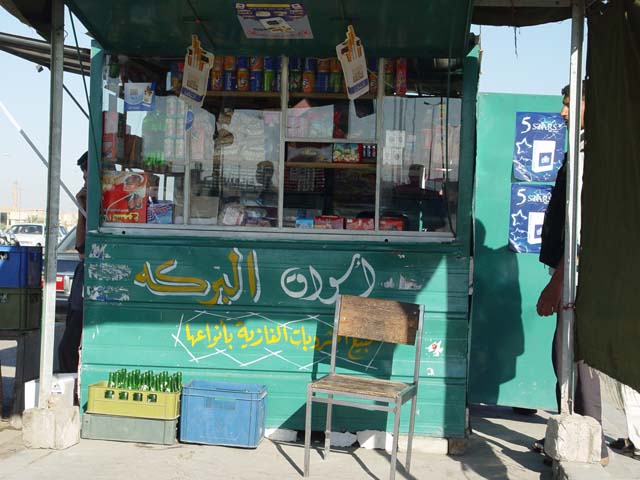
<point>222,284</point>
<point>199,336</point>
<point>163,284</point>
<point>358,349</point>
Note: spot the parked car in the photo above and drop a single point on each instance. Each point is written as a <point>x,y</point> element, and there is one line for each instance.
<point>31,234</point>
<point>68,258</point>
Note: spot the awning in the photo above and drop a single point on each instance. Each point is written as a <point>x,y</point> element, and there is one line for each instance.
<point>39,52</point>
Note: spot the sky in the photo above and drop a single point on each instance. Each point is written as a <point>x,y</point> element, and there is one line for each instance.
<point>541,66</point>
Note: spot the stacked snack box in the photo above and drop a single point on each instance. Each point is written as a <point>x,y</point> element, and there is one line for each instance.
<point>124,197</point>
<point>328,222</point>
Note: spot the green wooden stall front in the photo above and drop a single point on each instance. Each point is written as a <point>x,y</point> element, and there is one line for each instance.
<point>510,355</point>
<point>260,310</point>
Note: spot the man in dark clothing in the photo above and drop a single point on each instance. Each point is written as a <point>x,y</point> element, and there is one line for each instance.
<point>70,343</point>
<point>587,399</point>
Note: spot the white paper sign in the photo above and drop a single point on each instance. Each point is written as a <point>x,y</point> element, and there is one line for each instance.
<point>197,65</point>
<point>354,65</point>
<point>392,155</point>
<point>395,138</point>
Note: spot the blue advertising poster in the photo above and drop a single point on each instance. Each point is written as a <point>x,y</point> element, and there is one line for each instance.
<point>274,20</point>
<point>528,205</point>
<point>538,149</point>
<point>139,97</point>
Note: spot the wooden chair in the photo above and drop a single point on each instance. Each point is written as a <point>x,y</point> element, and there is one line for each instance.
<point>378,320</point>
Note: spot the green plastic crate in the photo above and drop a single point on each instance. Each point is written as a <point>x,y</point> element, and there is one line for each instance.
<point>129,429</point>
<point>165,407</point>
<point>20,308</point>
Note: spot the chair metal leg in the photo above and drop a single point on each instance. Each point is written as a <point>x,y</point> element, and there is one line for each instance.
<point>396,434</point>
<point>327,430</point>
<point>307,431</point>
<point>412,423</point>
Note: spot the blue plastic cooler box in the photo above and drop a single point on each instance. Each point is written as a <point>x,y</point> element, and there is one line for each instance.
<point>221,413</point>
<point>20,267</point>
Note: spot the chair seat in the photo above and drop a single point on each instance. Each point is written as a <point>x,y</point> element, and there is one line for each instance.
<point>371,387</point>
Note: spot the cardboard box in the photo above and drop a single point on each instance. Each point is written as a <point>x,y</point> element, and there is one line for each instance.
<point>124,197</point>
<point>160,213</point>
<point>394,224</point>
<point>304,222</point>
<point>346,153</point>
<point>360,223</point>
<point>329,222</point>
<point>62,390</point>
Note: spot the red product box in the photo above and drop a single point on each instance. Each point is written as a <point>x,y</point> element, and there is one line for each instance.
<point>124,197</point>
<point>395,224</point>
<point>360,223</point>
<point>329,222</point>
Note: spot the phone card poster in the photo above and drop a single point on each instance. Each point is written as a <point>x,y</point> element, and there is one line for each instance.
<point>539,145</point>
<point>528,206</point>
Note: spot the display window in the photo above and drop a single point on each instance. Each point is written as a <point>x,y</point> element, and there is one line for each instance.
<point>277,146</point>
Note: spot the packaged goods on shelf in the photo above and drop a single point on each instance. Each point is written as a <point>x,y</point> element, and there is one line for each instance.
<point>346,153</point>
<point>309,152</point>
<point>331,222</point>
<point>394,224</point>
<point>360,223</point>
<point>304,223</point>
<point>124,196</point>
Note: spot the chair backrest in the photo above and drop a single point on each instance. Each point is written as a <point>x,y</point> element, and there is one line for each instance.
<point>379,320</point>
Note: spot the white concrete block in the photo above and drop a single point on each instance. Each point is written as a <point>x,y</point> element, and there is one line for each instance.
<point>573,438</point>
<point>436,446</point>
<point>55,429</point>
<point>579,471</point>
<point>281,434</point>
<point>339,439</point>
<point>375,439</point>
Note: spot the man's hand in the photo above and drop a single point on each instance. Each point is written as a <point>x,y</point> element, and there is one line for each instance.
<point>551,296</point>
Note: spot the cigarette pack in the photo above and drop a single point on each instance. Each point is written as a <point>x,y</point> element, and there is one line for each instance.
<point>304,222</point>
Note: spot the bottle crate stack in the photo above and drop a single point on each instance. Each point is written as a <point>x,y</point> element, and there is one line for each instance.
<point>20,287</point>
<point>134,406</point>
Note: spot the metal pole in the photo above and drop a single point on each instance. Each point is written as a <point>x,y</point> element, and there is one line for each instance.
<point>53,201</point>
<point>40,156</point>
<point>570,245</point>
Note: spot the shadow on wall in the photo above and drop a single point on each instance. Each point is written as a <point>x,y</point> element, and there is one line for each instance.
<point>497,332</point>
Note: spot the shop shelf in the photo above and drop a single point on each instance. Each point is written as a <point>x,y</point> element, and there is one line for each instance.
<point>129,429</point>
<point>165,407</point>
<point>237,94</point>
<point>353,166</point>
<point>220,413</point>
<point>20,267</point>
<point>20,308</point>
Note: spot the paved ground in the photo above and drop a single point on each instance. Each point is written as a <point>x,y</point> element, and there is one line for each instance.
<point>498,448</point>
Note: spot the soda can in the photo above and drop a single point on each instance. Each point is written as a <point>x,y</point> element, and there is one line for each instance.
<point>255,81</point>
<point>169,147</point>
<point>230,80</point>
<point>324,65</point>
<point>229,62</point>
<point>269,80</point>
<point>170,127</point>
<point>218,63</point>
<point>179,148</point>
<point>294,63</point>
<point>322,82</point>
<point>295,80</point>
<point>401,76</point>
<point>243,79</point>
<point>269,63</point>
<point>217,82</point>
<point>256,63</point>
<point>310,64</point>
<point>242,62</point>
<point>335,82</point>
<point>172,106</point>
<point>336,67</point>
<point>308,81</point>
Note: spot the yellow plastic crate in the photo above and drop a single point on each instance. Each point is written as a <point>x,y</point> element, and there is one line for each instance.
<point>165,407</point>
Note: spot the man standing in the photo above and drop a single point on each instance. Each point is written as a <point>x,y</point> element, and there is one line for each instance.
<point>587,399</point>
<point>70,343</point>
